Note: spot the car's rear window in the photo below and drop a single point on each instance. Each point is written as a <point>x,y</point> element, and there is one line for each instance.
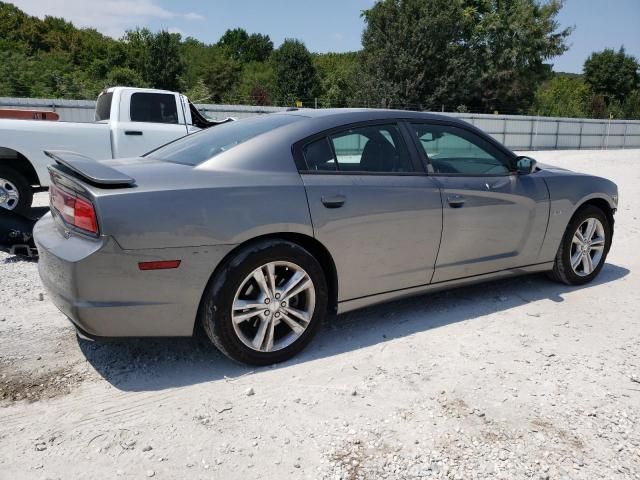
<point>103,108</point>
<point>202,146</point>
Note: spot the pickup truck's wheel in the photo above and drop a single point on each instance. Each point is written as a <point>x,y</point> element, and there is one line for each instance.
<point>266,303</point>
<point>584,247</point>
<point>15,191</point>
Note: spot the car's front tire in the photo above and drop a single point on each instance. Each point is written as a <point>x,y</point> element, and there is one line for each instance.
<point>584,247</point>
<point>265,303</point>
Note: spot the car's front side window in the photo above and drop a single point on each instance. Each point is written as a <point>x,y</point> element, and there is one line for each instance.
<point>453,150</point>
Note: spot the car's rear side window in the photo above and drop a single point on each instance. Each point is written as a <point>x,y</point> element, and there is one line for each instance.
<point>319,155</point>
<point>202,146</point>
<point>364,149</point>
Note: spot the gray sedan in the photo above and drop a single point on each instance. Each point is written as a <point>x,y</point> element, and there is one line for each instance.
<point>255,231</point>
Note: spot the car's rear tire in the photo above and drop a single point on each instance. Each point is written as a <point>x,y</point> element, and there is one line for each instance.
<point>584,247</point>
<point>265,303</point>
<point>15,192</point>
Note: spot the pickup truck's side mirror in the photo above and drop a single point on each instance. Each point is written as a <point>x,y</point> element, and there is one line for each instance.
<point>525,165</point>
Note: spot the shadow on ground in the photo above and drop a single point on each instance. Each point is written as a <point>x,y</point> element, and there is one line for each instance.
<point>156,364</point>
<point>17,258</point>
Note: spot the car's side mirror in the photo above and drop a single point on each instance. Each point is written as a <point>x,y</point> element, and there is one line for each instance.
<point>525,165</point>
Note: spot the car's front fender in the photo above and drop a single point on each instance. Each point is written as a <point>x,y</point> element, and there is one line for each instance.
<point>568,191</point>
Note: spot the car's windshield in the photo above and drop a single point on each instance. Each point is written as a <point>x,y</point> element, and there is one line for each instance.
<point>197,148</point>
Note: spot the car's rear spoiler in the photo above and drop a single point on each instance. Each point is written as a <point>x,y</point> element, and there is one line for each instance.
<point>90,170</point>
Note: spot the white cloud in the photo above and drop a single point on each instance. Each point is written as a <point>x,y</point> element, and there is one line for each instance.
<point>193,16</point>
<point>175,30</point>
<point>111,17</point>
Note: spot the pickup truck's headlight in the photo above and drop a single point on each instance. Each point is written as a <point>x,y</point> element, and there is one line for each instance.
<point>615,199</point>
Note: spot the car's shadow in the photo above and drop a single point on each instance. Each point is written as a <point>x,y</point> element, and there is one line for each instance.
<point>156,364</point>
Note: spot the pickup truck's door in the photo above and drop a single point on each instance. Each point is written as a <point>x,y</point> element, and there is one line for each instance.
<point>493,218</point>
<point>147,120</point>
<point>377,214</point>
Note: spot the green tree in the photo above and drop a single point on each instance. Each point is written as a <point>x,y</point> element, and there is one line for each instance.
<point>166,65</point>
<point>481,53</point>
<point>598,107</point>
<point>514,39</point>
<point>244,48</point>
<point>16,73</point>
<point>631,106</point>
<point>199,93</point>
<point>136,44</point>
<point>233,42</point>
<point>221,76</point>
<point>256,84</point>
<point>257,48</point>
<point>408,46</point>
<point>295,75</point>
<point>613,75</point>
<point>51,57</point>
<point>562,96</point>
<point>156,57</point>
<point>18,27</point>
<point>339,75</point>
<point>196,57</point>
<point>124,77</point>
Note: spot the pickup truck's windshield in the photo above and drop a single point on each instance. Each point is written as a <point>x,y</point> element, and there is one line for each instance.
<point>199,147</point>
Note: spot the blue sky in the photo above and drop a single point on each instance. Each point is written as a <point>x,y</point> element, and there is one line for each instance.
<point>324,25</point>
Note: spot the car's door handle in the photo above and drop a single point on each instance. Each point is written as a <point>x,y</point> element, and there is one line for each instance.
<point>455,201</point>
<point>333,201</point>
<point>132,132</point>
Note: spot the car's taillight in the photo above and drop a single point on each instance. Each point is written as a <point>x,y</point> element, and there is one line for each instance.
<point>74,210</point>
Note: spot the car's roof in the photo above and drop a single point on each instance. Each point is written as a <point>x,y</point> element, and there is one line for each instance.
<point>270,150</point>
<point>317,120</point>
<point>377,113</point>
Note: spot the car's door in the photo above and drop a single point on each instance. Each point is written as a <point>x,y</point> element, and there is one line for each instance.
<point>493,218</point>
<point>147,120</point>
<point>373,206</point>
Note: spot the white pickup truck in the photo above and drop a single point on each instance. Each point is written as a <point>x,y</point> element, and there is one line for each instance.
<point>128,123</point>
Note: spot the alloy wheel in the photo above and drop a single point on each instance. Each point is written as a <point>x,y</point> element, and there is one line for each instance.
<point>587,247</point>
<point>273,306</point>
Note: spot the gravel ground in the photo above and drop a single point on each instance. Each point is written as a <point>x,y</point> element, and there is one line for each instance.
<point>515,379</point>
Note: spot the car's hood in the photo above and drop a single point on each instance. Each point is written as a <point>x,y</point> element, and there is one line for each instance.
<point>578,187</point>
<point>551,168</point>
<point>547,170</point>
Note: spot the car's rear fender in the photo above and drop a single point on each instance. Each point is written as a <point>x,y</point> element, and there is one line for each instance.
<point>171,205</point>
<point>102,288</point>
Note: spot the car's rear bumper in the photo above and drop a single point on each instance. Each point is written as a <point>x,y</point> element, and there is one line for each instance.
<point>100,287</point>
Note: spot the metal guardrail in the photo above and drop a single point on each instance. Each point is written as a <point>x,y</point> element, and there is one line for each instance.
<point>515,131</point>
